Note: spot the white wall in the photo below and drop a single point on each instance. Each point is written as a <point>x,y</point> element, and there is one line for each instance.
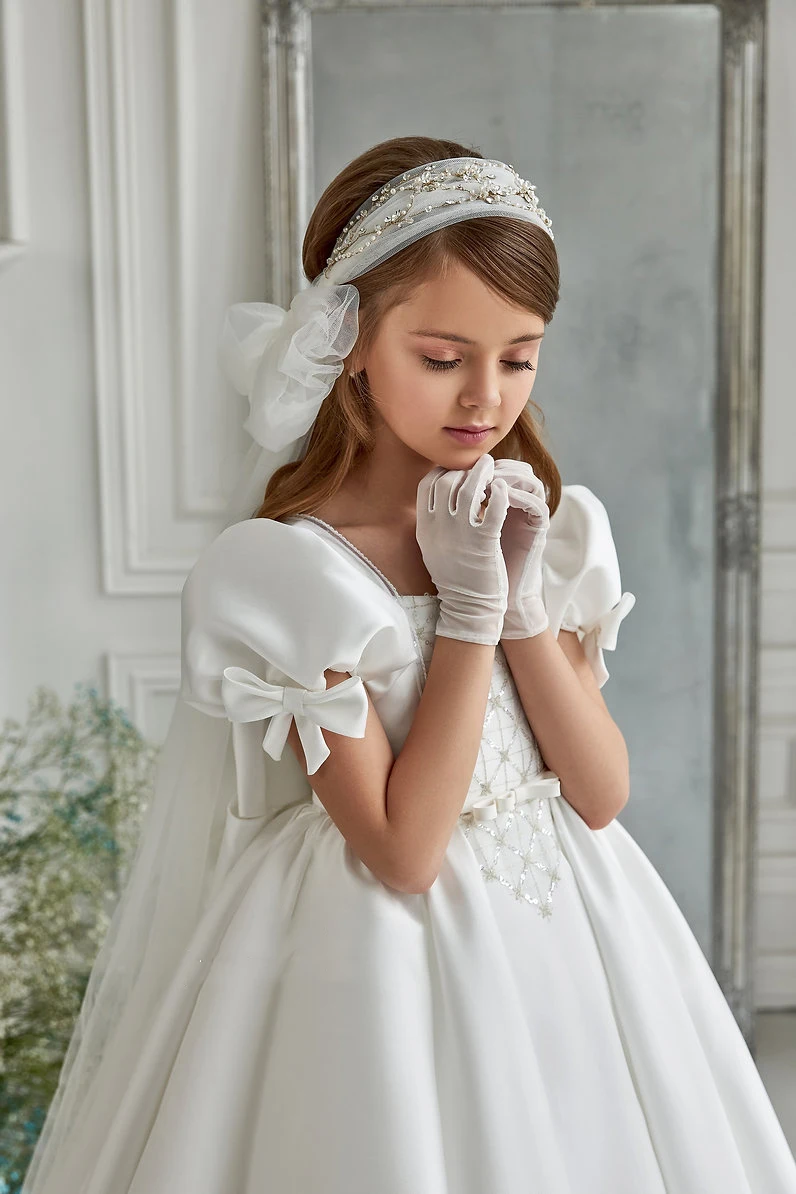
<point>143,172</point>
<point>55,620</point>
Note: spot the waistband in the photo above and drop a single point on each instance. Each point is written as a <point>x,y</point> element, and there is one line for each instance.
<point>545,785</point>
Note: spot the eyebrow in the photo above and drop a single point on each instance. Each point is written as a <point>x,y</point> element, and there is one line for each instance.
<point>463,339</point>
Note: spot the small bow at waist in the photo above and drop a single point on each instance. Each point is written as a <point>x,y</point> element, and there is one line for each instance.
<point>546,784</point>
<point>343,709</point>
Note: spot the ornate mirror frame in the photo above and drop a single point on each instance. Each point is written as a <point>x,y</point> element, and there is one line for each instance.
<point>288,125</point>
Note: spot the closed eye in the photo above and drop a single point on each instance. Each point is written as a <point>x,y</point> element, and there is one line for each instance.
<point>514,366</point>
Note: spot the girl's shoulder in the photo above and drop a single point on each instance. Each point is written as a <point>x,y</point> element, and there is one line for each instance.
<point>259,537</point>
<point>579,532</point>
<point>269,557</point>
<point>277,599</point>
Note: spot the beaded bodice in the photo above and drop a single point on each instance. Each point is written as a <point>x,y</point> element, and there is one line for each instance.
<point>519,848</point>
<point>508,754</point>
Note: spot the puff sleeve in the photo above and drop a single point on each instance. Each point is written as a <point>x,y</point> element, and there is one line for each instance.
<point>266,609</point>
<point>581,583</point>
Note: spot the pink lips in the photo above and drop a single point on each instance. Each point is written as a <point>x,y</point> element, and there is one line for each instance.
<point>468,437</point>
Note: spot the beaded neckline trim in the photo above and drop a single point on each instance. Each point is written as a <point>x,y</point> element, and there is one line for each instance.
<point>385,580</point>
<point>362,556</point>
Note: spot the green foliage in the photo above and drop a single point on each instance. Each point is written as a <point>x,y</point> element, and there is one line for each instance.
<point>74,782</point>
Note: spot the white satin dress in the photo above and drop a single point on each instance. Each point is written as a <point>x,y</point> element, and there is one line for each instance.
<point>541,1021</point>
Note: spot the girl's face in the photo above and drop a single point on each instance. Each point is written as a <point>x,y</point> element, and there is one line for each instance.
<point>455,354</point>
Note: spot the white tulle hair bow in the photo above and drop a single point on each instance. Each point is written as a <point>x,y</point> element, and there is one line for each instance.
<point>286,362</point>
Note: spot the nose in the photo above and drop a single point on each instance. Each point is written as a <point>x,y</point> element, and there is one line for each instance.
<point>482,391</point>
<point>481,408</point>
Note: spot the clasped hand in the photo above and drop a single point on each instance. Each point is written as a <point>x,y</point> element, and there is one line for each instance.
<point>484,554</point>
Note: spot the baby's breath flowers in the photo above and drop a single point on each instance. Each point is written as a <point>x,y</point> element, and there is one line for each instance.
<point>74,782</point>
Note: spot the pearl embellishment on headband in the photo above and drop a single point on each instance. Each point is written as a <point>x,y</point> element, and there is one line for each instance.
<point>475,180</point>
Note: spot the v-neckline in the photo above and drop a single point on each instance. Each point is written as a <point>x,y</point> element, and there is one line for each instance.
<point>399,597</point>
<point>365,559</point>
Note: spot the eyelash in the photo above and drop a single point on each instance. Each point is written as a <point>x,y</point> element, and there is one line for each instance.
<point>435,365</point>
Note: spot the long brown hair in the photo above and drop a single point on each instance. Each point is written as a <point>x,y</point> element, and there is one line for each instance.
<point>515,258</point>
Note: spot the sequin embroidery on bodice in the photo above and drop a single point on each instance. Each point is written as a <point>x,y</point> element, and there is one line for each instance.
<point>519,848</point>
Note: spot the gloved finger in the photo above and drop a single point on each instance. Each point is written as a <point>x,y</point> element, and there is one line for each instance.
<point>426,490</point>
<point>531,504</point>
<point>511,464</point>
<point>521,483</point>
<point>473,490</point>
<point>454,482</point>
<point>519,475</point>
<point>497,506</point>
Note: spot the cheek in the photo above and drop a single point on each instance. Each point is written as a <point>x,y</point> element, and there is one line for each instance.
<point>420,404</point>
<point>406,392</point>
<point>525,384</point>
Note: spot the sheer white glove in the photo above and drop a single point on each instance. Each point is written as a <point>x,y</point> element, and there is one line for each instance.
<point>463,555</point>
<point>523,539</point>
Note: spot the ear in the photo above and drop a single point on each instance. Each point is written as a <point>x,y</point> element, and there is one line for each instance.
<point>352,363</point>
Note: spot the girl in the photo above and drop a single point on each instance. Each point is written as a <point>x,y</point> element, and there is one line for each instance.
<point>428,959</point>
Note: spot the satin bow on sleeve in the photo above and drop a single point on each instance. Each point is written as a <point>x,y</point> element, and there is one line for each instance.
<point>342,709</point>
<point>602,632</point>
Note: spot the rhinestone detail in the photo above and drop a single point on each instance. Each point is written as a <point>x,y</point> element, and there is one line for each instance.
<point>474,179</point>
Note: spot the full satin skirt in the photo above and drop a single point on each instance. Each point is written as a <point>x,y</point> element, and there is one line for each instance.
<point>325,1034</point>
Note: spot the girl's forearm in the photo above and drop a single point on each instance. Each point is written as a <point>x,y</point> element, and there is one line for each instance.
<point>578,739</point>
<point>432,773</point>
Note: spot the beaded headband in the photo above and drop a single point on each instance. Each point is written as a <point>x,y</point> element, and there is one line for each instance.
<point>453,189</point>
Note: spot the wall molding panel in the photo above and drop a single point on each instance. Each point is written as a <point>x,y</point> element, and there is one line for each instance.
<point>13,165</point>
<point>775,963</point>
<point>146,686</point>
<point>157,415</point>
<point>779,520</point>
<point>775,977</point>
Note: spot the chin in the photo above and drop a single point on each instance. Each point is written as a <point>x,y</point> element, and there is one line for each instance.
<point>453,455</point>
